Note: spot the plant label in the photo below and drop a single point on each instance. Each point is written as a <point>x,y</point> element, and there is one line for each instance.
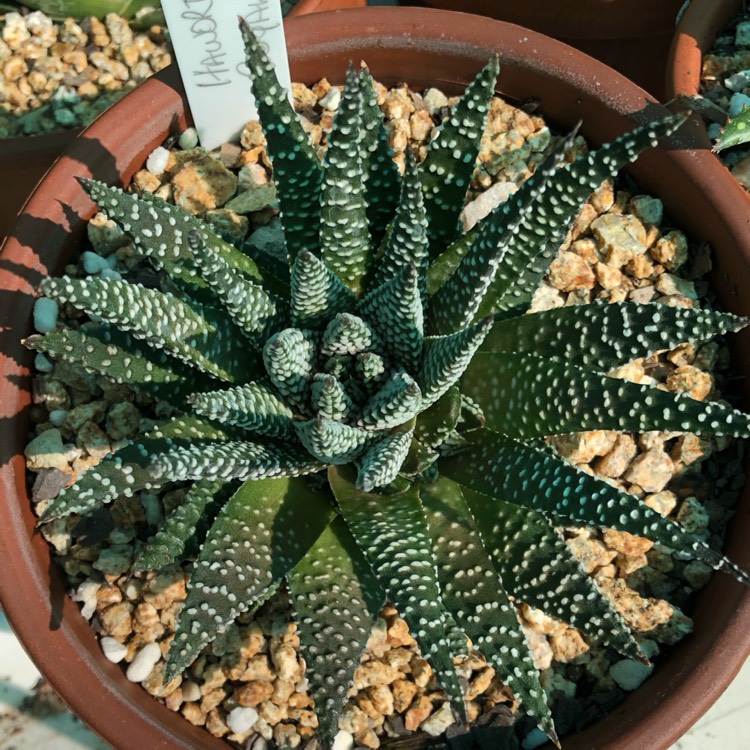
<point>211,57</point>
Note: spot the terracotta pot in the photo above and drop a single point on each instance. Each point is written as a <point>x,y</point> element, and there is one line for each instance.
<point>425,48</point>
<point>694,37</point>
<point>632,36</point>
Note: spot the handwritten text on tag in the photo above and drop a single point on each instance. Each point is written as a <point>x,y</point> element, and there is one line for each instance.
<point>210,54</point>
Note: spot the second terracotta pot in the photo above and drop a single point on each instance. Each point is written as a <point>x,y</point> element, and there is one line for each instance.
<point>631,36</point>
<point>425,48</point>
<point>694,37</point>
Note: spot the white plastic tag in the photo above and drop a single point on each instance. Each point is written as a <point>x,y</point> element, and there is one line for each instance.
<point>211,56</point>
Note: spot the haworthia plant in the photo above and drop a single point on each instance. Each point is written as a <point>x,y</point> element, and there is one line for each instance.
<point>420,398</point>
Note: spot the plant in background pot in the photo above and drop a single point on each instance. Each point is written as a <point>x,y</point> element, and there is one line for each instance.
<point>708,72</point>
<point>329,438</point>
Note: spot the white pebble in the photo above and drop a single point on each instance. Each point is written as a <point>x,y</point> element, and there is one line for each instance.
<point>43,364</point>
<point>111,274</point>
<point>737,103</point>
<point>260,743</point>
<point>113,649</point>
<point>45,315</point>
<point>486,203</point>
<point>58,417</point>
<point>188,139</point>
<point>133,591</point>
<point>145,660</point>
<point>191,691</point>
<point>241,719</point>
<point>343,741</point>
<point>535,738</point>
<point>86,594</point>
<point>331,100</point>
<point>738,81</point>
<point>436,724</point>
<point>435,100</point>
<point>157,160</point>
<point>94,263</point>
<point>629,674</point>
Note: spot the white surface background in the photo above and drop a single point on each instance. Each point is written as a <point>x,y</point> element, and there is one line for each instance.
<point>724,727</point>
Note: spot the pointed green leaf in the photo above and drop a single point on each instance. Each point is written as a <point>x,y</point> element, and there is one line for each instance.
<point>407,242</point>
<point>344,234</point>
<point>526,397</point>
<point>332,442</point>
<point>172,540</point>
<point>456,303</point>
<point>473,591</point>
<point>348,334</point>
<point>540,236</point>
<point>404,565</point>
<point>253,406</point>
<point>398,400</point>
<point>233,459</point>
<point>337,599</point>
<point>370,369</point>
<point>290,359</point>
<point>394,309</point>
<point>262,533</point>
<point>735,132</point>
<point>317,294</point>
<point>255,312</point>
<point>539,569</point>
<point>160,231</point>
<point>329,398</point>
<point>446,357</point>
<point>126,471</point>
<point>382,461</point>
<point>604,335</point>
<point>296,168</point>
<point>196,334</point>
<point>446,171</point>
<point>104,350</point>
<point>380,171</point>
<point>535,478</point>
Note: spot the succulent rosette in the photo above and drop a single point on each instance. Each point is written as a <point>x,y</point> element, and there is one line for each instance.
<point>364,419</point>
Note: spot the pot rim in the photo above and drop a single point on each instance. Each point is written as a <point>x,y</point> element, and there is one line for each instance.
<point>33,594</point>
<point>577,19</point>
